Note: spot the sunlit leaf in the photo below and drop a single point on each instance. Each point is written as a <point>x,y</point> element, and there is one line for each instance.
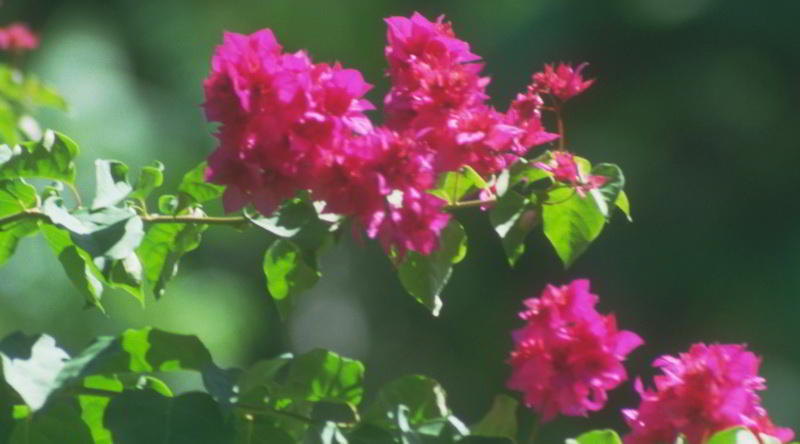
<point>51,158</point>
<point>150,178</point>
<point>287,273</point>
<point>31,365</point>
<point>194,188</point>
<point>571,223</point>
<point>111,183</point>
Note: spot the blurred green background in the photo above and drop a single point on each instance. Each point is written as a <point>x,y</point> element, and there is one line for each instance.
<point>695,99</point>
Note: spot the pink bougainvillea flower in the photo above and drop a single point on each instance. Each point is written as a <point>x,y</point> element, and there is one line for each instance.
<point>567,356</point>
<point>281,115</point>
<point>565,169</point>
<point>415,224</point>
<point>18,37</point>
<point>563,82</point>
<point>702,392</point>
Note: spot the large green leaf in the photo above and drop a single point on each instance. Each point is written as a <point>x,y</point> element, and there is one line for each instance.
<point>513,217</point>
<point>500,421</point>
<point>31,365</point>
<point>287,272</point>
<point>111,183</point>
<point>322,375</point>
<point>145,416</point>
<point>59,423</point>
<point>51,158</point>
<point>27,90</point>
<point>194,188</point>
<point>453,185</point>
<point>571,223</point>
<point>424,277</point>
<point>164,245</point>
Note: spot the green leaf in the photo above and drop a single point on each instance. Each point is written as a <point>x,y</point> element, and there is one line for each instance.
<point>424,277</point>
<point>474,177</point>
<point>51,158</point>
<point>261,374</point>
<point>150,178</point>
<point>571,223</point>
<point>93,407</point>
<point>321,375</point>
<point>254,430</point>
<point>734,435</point>
<point>194,188</point>
<point>144,416</point>
<point>31,365</point>
<point>298,220</point>
<point>27,90</point>
<point>452,186</point>
<point>163,246</point>
<point>112,185</point>
<point>500,421</point>
<point>597,437</point>
<point>607,195</point>
<point>423,396</point>
<point>58,423</point>
<point>287,273</point>
<point>16,196</point>
<point>513,217</point>
<point>77,263</point>
<point>623,204</point>
<point>526,171</point>
<point>127,274</point>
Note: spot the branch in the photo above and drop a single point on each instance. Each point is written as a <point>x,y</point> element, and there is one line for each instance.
<point>162,219</point>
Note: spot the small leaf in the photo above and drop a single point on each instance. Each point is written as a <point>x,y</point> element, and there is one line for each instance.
<point>597,437</point>
<point>513,217</point>
<point>424,277</point>
<point>31,365</point>
<point>77,263</point>
<point>623,204</point>
<point>500,421</point>
<point>112,185</point>
<point>16,196</point>
<point>144,416</point>
<point>51,158</point>
<point>452,186</point>
<point>571,223</point>
<point>734,435</point>
<point>526,171</point>
<point>607,195</point>
<point>150,178</point>
<point>287,273</point>
<point>194,188</point>
<point>474,177</point>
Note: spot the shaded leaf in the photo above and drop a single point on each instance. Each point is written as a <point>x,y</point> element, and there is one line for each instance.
<point>423,396</point>
<point>57,423</point>
<point>322,375</point>
<point>513,217</point>
<point>287,273</point>
<point>77,263</point>
<point>424,277</point>
<point>144,416</point>
<point>500,421</point>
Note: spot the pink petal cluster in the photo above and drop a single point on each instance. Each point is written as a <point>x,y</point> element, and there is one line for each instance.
<point>18,37</point>
<point>567,356</point>
<point>439,95</point>
<point>563,82</point>
<point>702,392</point>
<point>565,169</point>
<point>288,124</point>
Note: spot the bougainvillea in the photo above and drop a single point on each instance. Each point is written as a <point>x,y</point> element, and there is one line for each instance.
<point>16,37</point>
<point>706,390</point>
<point>295,143</point>
<point>567,356</point>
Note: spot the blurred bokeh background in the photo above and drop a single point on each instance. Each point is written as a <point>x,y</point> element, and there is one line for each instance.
<point>695,99</point>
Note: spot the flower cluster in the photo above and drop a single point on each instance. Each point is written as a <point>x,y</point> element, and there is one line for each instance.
<point>565,169</point>
<point>17,37</point>
<point>288,124</point>
<point>701,392</point>
<point>562,82</point>
<point>567,356</point>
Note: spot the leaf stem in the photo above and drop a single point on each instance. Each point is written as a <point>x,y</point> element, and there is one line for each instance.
<point>562,135</point>
<point>75,194</point>
<point>534,431</point>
